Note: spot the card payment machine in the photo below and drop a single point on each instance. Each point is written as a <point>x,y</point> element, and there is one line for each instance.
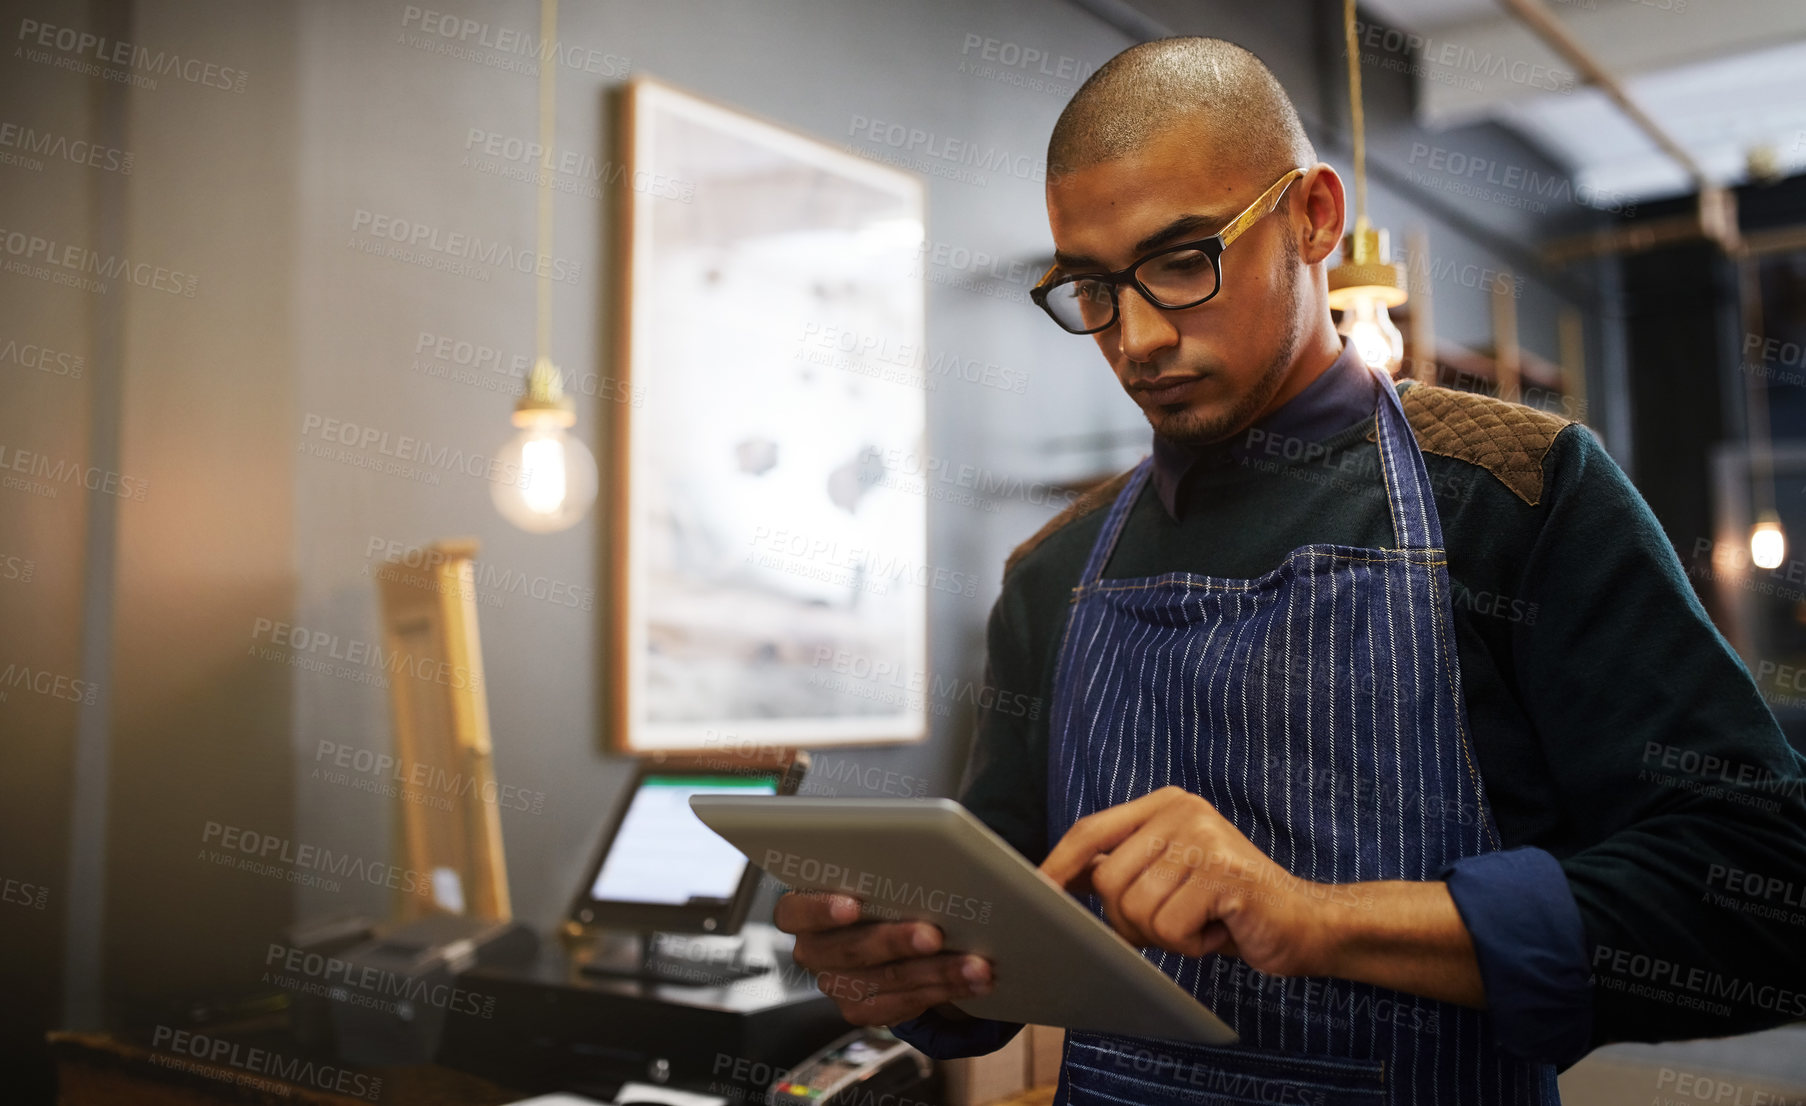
<point>862,1067</point>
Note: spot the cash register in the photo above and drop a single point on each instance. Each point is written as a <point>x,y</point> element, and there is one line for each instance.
<point>656,977</point>
<point>665,898</point>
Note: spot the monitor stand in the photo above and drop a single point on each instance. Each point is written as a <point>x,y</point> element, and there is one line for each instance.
<point>700,960</point>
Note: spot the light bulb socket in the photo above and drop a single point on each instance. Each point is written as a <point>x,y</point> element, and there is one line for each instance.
<point>543,402</point>
<point>1366,271</point>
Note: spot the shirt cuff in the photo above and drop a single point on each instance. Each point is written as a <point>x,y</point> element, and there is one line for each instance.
<point>1531,946</point>
<point>944,1038</point>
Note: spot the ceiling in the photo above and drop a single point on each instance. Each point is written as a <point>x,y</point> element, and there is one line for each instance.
<point>1723,77</point>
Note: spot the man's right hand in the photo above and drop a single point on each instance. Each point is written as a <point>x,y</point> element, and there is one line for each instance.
<point>878,973</point>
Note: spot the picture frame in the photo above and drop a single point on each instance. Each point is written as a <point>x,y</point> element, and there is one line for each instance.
<point>766,547</point>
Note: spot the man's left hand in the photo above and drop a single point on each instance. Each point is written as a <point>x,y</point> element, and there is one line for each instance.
<point>1174,873</point>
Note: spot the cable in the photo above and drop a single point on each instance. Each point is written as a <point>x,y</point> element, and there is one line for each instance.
<point>548,85</point>
<point>1358,116</point>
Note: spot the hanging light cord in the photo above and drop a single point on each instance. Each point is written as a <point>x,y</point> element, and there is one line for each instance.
<point>1757,431</point>
<point>1354,109</point>
<point>548,80</point>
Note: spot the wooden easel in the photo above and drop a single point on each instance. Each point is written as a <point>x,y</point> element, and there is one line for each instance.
<point>449,828</point>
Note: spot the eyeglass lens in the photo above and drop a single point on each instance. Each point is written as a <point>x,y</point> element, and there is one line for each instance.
<point>1176,279</point>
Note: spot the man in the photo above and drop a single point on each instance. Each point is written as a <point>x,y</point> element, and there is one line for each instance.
<point>1371,708</point>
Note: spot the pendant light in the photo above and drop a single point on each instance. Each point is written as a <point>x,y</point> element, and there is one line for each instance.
<point>1367,282</point>
<point>554,474</point>
<point>553,481</point>
<point>1768,545</point>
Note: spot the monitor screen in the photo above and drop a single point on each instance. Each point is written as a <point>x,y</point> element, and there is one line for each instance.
<point>664,855</point>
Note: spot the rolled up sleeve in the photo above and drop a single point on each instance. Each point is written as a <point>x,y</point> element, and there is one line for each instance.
<point>1531,946</point>
<point>943,1038</point>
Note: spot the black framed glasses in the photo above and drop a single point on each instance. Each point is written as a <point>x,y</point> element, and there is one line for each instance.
<point>1178,276</point>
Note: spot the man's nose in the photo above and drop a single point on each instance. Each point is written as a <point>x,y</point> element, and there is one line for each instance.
<point>1142,328</point>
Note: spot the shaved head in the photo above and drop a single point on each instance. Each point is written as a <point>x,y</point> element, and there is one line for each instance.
<point>1160,148</point>
<point>1223,92</point>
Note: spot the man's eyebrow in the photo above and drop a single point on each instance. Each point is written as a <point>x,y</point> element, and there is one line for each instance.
<point>1185,226</point>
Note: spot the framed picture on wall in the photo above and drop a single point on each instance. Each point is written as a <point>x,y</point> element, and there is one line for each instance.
<point>766,543</point>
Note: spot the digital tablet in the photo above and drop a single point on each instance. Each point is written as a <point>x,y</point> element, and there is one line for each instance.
<point>1053,961</point>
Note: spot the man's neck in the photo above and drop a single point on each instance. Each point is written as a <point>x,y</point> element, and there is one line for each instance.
<point>1317,355</point>
<point>1331,398</point>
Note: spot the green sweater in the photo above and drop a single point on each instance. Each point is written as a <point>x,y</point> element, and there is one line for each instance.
<point>1615,727</point>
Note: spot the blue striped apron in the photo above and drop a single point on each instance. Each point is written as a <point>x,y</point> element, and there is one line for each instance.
<point>1319,709</point>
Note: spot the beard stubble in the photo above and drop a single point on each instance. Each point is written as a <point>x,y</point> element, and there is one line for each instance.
<point>1193,428</point>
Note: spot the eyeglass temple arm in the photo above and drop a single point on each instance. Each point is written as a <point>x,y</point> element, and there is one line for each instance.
<point>1260,208</point>
<point>1256,211</point>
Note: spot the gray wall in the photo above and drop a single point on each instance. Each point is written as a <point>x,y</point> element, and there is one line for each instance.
<point>218,401</point>
<point>814,67</point>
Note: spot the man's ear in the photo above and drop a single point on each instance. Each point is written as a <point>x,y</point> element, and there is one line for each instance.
<point>1325,208</point>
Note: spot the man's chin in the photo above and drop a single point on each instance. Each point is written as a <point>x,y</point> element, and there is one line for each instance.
<point>1189,425</point>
